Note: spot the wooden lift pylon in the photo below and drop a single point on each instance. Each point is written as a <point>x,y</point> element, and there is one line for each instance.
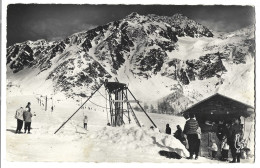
<point>117,98</point>
<point>118,95</point>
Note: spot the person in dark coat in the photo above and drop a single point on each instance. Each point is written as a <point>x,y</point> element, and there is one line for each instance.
<point>190,129</point>
<point>168,129</point>
<point>234,139</point>
<point>179,135</point>
<point>220,131</point>
<point>29,107</point>
<point>27,116</point>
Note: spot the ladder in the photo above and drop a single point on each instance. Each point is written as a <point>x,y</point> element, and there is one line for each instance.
<point>129,107</point>
<point>133,114</point>
<point>132,111</point>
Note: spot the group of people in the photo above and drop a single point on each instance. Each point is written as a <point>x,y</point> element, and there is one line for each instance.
<point>230,138</point>
<point>24,116</point>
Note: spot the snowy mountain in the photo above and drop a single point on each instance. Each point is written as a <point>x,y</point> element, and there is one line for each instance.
<point>170,58</point>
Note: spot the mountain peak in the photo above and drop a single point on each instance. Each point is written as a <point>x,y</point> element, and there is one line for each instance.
<point>137,47</point>
<point>133,15</point>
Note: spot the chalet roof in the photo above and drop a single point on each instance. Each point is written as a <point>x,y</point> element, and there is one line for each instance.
<point>228,102</point>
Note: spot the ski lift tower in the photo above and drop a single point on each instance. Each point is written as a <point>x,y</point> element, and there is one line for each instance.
<point>120,107</point>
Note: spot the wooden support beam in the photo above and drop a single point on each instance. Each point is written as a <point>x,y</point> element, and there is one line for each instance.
<point>142,109</point>
<point>46,103</point>
<point>78,109</point>
<point>125,101</point>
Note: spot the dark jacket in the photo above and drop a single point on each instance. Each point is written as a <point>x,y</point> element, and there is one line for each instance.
<point>179,135</point>
<point>220,131</point>
<point>168,130</point>
<point>191,126</point>
<point>233,130</point>
<point>27,116</point>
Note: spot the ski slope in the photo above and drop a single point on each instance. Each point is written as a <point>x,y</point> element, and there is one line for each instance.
<point>100,143</point>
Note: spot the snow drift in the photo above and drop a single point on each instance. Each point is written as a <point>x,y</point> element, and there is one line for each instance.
<point>141,139</point>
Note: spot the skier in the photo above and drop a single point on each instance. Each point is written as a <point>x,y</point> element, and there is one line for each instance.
<point>51,108</point>
<point>19,117</point>
<point>85,121</point>
<point>27,116</point>
<point>190,129</point>
<point>168,129</point>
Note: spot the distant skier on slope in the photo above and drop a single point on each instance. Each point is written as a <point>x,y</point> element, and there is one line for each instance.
<point>19,117</point>
<point>85,121</point>
<point>168,129</point>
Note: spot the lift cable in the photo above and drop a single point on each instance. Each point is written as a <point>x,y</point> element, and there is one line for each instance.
<point>103,96</point>
<point>98,105</point>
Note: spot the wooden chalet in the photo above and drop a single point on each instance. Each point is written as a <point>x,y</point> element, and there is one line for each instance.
<point>218,108</point>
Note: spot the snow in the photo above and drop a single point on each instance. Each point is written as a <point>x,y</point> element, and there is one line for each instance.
<point>117,144</point>
<point>128,143</point>
<point>190,48</point>
<point>150,89</point>
<point>100,143</point>
<point>240,82</point>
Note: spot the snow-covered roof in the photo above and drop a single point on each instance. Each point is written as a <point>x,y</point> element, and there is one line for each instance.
<point>228,102</point>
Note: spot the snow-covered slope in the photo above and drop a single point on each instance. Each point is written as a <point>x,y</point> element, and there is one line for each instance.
<point>100,143</point>
<point>159,57</point>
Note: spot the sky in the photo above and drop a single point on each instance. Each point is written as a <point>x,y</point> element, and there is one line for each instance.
<point>56,21</point>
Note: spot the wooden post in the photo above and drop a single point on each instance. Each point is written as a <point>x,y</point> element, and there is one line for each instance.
<point>122,104</point>
<point>127,107</point>
<point>208,146</point>
<point>111,110</point>
<point>132,111</point>
<point>143,109</point>
<point>116,108</point>
<point>46,103</point>
<point>244,125</point>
